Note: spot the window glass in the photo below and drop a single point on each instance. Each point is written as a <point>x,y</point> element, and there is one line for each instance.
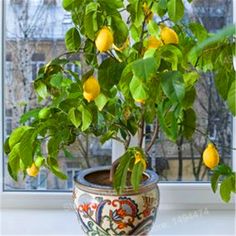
<point>34,34</point>
<point>181,161</point>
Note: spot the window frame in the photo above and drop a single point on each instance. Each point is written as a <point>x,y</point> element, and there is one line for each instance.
<point>173,195</point>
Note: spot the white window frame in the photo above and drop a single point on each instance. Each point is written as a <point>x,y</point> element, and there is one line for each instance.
<point>173,195</point>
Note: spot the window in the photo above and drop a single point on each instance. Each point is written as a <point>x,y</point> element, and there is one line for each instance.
<point>8,69</point>
<point>71,173</point>
<point>50,2</point>
<point>8,121</point>
<point>182,161</point>
<point>42,179</point>
<point>38,60</point>
<point>51,48</point>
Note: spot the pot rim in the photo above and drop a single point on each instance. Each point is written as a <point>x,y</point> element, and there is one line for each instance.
<point>87,186</point>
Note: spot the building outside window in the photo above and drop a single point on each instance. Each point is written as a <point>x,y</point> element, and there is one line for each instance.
<point>38,61</point>
<point>8,121</point>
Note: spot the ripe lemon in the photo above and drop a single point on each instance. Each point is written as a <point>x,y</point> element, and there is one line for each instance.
<point>153,42</point>
<point>168,35</point>
<point>91,89</point>
<point>211,156</point>
<point>104,40</point>
<point>33,170</point>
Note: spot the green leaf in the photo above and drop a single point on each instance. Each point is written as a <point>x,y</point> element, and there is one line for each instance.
<point>53,145</point>
<point>56,80</point>
<point>29,114</point>
<point>222,34</point>
<point>225,188</point>
<point>173,85</point>
<point>75,117</point>
<point>16,135</point>
<point>120,176</point>
<point>90,53</point>
<point>14,161</point>
<point>53,165</point>
<point>223,169</point>
<point>232,98</point>
<point>189,123</point>
<point>138,89</point>
<point>190,79</point>
<point>214,181</point>
<point>171,54</point>
<point>189,98</point>
<point>199,31</point>
<point>72,39</point>
<point>175,10</point>
<point>111,5</point>
<point>223,81</point>
<point>125,80</point>
<point>109,73</point>
<point>145,69</point>
<point>120,30</point>
<point>91,7</point>
<point>134,32</point>
<point>86,119</point>
<point>70,4</point>
<point>108,135</point>
<point>100,101</point>
<point>26,147</point>
<point>6,146</point>
<point>136,175</point>
<point>41,89</point>
<point>168,119</point>
<point>39,161</point>
<point>89,29</point>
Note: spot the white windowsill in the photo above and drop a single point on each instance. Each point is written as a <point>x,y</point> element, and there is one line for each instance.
<point>64,222</point>
<point>172,196</point>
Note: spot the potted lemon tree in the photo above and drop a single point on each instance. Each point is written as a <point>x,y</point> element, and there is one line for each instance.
<point>143,64</point>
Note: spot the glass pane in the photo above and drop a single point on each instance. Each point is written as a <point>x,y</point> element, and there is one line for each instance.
<point>181,161</point>
<point>34,34</point>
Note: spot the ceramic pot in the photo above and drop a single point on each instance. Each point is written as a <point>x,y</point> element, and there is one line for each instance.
<point>102,212</point>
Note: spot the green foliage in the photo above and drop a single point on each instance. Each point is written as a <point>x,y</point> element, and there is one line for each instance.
<point>175,9</point>
<point>162,78</point>
<point>129,164</point>
<point>72,39</point>
<point>227,185</point>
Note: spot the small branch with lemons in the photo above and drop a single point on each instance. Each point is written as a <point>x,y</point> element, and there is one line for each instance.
<point>222,172</point>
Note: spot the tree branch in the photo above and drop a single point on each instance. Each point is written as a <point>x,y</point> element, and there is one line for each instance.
<point>155,134</point>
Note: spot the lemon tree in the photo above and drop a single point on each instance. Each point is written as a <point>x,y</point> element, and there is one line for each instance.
<point>143,64</point>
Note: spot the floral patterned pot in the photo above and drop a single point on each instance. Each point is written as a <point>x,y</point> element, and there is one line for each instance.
<point>102,212</point>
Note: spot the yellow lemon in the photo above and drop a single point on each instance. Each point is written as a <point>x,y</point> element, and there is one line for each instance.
<point>153,42</point>
<point>139,158</point>
<point>91,89</point>
<point>211,156</point>
<point>168,35</point>
<point>104,40</point>
<point>33,170</point>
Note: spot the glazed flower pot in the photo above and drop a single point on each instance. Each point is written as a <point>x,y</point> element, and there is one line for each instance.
<point>102,212</point>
